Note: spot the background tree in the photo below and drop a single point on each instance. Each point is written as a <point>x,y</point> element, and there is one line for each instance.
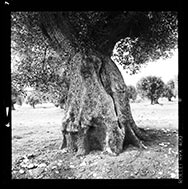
<point>151,87</point>
<point>171,84</point>
<point>132,93</point>
<point>97,110</point>
<point>17,95</point>
<point>168,93</point>
<point>34,98</point>
<point>175,79</point>
<point>14,96</point>
<point>170,90</point>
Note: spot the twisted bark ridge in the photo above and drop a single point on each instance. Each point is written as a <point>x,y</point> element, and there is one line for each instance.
<point>98,115</point>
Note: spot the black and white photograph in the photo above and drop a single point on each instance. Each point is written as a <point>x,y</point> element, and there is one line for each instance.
<point>94,95</point>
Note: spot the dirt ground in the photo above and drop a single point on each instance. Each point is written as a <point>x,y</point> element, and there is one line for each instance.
<point>36,139</point>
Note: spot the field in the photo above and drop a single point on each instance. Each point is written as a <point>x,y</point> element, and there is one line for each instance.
<point>36,139</point>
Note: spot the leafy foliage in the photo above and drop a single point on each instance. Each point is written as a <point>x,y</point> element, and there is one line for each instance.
<point>45,41</point>
<point>17,95</point>
<point>168,92</point>
<point>122,55</point>
<point>47,75</point>
<point>132,93</point>
<point>154,32</point>
<point>34,62</point>
<point>170,89</point>
<point>151,87</point>
<point>171,84</point>
<point>158,37</point>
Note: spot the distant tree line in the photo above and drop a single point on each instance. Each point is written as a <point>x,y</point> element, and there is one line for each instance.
<point>153,87</point>
<point>150,87</point>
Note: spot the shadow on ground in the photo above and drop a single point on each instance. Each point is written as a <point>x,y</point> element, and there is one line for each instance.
<point>159,160</point>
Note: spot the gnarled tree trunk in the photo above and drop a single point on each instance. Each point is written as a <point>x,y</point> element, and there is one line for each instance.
<point>98,115</point>
<point>97,110</point>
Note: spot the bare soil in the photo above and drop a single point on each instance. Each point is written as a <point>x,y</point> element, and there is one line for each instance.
<point>36,139</point>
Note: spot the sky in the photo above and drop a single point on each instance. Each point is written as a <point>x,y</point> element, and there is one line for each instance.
<point>166,69</point>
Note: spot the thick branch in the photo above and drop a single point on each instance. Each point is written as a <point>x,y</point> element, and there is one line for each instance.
<point>83,32</point>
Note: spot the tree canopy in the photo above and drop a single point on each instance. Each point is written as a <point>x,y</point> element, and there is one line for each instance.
<point>137,36</point>
<point>154,32</point>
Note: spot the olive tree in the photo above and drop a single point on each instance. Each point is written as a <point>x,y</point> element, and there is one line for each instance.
<point>151,87</point>
<point>170,90</point>
<point>97,111</point>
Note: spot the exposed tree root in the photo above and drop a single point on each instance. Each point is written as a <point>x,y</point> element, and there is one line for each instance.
<point>141,133</point>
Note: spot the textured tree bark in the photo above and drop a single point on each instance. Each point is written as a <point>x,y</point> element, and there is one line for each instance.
<point>97,111</point>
